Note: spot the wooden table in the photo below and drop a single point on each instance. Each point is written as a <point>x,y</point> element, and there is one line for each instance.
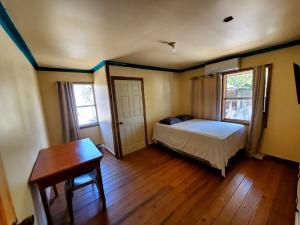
<point>66,161</point>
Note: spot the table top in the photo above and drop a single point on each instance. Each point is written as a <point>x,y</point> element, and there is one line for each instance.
<point>63,157</point>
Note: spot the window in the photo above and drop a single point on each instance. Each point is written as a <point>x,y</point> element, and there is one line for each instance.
<point>268,74</point>
<point>237,96</point>
<point>85,104</point>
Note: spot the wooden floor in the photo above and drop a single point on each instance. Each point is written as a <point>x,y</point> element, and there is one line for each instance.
<point>156,186</point>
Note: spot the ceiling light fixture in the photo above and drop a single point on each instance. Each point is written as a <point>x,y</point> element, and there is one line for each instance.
<point>172,44</point>
<point>227,19</point>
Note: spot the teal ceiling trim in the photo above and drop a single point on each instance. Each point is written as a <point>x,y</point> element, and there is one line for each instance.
<point>246,54</point>
<point>72,70</point>
<point>12,31</point>
<point>98,66</point>
<point>115,63</point>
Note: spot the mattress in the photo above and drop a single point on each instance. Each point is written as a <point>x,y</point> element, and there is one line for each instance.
<point>213,141</point>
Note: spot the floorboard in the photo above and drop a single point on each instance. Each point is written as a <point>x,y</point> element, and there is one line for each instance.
<point>156,186</point>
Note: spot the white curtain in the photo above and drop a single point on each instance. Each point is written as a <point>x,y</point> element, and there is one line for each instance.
<point>206,97</point>
<point>68,111</point>
<point>257,120</point>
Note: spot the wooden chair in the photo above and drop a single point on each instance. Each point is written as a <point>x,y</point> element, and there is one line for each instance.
<point>77,183</point>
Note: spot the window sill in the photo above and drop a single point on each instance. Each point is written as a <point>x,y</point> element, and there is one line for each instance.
<point>89,125</point>
<point>246,123</point>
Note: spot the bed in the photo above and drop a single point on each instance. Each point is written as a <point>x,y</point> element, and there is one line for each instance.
<point>212,141</point>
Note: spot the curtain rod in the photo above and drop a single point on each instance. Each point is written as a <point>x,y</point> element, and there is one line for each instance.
<point>224,73</point>
<point>207,75</point>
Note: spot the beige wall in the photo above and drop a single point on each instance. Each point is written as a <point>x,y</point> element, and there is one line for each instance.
<point>186,89</point>
<point>162,93</point>
<point>22,128</point>
<point>47,82</point>
<point>282,137</point>
<point>103,108</point>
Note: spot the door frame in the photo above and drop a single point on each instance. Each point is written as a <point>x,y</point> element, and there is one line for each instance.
<point>7,210</point>
<point>114,99</point>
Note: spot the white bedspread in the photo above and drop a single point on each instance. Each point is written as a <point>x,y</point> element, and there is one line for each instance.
<point>213,141</point>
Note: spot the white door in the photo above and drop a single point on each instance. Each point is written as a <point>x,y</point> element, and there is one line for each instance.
<point>129,99</point>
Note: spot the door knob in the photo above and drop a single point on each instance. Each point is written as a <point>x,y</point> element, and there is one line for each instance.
<point>120,123</point>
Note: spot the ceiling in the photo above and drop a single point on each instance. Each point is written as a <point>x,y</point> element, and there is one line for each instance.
<point>80,33</point>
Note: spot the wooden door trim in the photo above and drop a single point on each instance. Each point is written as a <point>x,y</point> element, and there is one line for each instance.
<point>113,78</point>
<point>7,211</point>
<point>116,119</point>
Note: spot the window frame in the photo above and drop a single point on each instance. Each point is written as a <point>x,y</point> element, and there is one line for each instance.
<point>267,94</point>
<point>223,99</point>
<point>94,105</point>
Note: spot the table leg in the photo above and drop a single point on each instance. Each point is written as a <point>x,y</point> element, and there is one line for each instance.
<point>69,193</point>
<point>100,185</point>
<point>46,205</point>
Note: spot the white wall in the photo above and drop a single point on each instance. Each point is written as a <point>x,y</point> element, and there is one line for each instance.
<point>22,127</point>
<point>103,109</point>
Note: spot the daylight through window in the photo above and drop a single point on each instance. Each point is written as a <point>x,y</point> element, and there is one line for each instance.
<point>85,104</point>
<point>237,96</point>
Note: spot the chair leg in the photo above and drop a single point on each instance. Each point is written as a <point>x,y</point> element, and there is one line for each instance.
<point>100,186</point>
<point>55,191</point>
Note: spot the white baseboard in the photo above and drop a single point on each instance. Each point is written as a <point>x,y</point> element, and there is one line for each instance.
<point>259,156</point>
<point>108,149</point>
